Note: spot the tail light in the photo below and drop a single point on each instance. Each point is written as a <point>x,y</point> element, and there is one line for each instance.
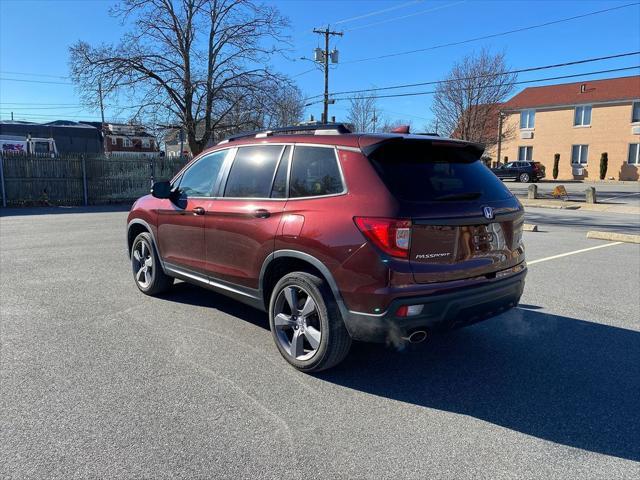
<point>391,235</point>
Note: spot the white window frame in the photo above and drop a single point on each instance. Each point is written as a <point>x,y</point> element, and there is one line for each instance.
<point>635,105</point>
<point>528,153</point>
<point>636,147</point>
<point>145,143</point>
<point>114,141</point>
<point>581,122</point>
<point>127,142</point>
<point>530,116</point>
<point>581,147</point>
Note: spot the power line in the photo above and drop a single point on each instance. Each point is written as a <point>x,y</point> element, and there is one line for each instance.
<point>493,35</point>
<point>4,79</point>
<point>72,107</point>
<point>412,94</point>
<point>376,12</point>
<point>522,70</point>
<point>37,103</point>
<point>42,115</point>
<point>29,74</point>
<point>421,12</point>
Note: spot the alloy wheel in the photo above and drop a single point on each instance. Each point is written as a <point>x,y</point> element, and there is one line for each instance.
<point>297,322</point>
<point>142,262</point>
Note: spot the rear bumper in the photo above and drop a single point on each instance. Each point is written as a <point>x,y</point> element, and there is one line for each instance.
<point>441,311</point>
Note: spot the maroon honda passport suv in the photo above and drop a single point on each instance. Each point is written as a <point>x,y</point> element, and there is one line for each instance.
<point>338,236</point>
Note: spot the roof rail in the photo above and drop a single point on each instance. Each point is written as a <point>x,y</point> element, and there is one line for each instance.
<point>316,128</point>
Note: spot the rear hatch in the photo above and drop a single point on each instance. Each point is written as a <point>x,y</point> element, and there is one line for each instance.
<point>464,222</point>
<point>539,169</point>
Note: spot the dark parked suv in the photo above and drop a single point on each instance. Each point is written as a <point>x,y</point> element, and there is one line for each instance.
<point>520,171</point>
<point>338,236</point>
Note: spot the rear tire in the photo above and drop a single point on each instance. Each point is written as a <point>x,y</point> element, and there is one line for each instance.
<point>311,335</point>
<point>147,270</point>
<point>524,178</point>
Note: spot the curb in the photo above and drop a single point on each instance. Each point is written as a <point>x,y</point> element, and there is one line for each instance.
<point>553,206</point>
<point>527,227</point>
<point>587,207</point>
<point>614,237</point>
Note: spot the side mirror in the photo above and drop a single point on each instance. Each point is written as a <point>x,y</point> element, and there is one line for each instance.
<point>161,190</point>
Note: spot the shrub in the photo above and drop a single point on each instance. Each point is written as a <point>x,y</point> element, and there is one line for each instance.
<point>604,163</point>
<point>556,162</point>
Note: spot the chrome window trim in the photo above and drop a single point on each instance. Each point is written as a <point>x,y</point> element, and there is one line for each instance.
<point>227,168</point>
<point>216,183</point>
<point>349,149</point>
<point>345,189</point>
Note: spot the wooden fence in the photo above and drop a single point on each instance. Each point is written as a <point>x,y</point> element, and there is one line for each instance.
<point>80,179</point>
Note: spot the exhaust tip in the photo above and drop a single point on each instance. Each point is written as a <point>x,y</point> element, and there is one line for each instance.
<point>417,336</point>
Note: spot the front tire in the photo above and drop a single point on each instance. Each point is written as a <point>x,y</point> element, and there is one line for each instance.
<point>306,323</point>
<point>147,271</point>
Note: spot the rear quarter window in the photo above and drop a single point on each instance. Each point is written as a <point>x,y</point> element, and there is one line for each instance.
<point>314,172</point>
<point>426,171</point>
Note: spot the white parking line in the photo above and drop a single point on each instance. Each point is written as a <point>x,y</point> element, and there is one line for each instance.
<point>533,262</point>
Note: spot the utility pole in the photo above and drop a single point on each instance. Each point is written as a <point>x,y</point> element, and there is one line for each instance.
<point>334,59</point>
<point>500,118</point>
<point>101,104</point>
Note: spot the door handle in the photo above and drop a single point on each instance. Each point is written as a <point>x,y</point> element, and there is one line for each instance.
<point>198,211</point>
<point>261,213</point>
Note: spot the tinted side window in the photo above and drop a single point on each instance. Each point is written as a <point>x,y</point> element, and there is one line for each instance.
<point>279,189</point>
<point>314,172</point>
<point>200,178</point>
<point>252,172</point>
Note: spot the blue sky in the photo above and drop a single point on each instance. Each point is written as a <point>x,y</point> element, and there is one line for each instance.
<point>35,36</point>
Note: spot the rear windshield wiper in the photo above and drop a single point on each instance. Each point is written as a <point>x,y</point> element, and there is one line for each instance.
<point>458,196</point>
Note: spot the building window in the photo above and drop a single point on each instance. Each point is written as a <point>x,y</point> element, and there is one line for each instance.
<point>582,116</point>
<point>635,112</point>
<point>579,154</point>
<point>145,143</point>
<point>114,141</point>
<point>525,154</point>
<point>128,142</point>
<point>634,154</point>
<point>527,118</point>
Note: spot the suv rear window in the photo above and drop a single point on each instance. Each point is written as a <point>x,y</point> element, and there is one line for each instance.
<point>425,171</point>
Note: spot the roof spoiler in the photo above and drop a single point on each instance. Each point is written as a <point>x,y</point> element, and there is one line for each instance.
<point>477,148</point>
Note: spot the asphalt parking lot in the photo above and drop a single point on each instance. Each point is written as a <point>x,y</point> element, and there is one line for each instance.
<point>98,380</point>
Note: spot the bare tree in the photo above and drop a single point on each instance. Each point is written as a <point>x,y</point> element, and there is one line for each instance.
<point>191,60</point>
<point>363,114</point>
<point>467,104</point>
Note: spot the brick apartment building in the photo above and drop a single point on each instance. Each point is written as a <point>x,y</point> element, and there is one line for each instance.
<point>579,121</point>
<point>130,140</point>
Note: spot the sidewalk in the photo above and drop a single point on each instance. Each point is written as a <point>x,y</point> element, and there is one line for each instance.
<point>576,205</point>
